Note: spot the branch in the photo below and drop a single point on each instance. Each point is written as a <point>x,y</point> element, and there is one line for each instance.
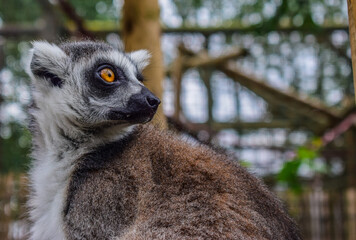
<point>346,122</point>
<point>70,12</point>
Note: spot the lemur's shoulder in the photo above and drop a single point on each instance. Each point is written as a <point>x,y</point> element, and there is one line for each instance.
<point>182,154</point>
<point>155,182</point>
<point>185,178</point>
<point>189,174</point>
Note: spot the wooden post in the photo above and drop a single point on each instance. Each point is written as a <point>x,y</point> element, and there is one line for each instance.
<point>142,30</point>
<point>205,75</point>
<point>2,65</point>
<point>352,27</point>
<point>177,74</point>
<point>351,183</point>
<point>351,213</point>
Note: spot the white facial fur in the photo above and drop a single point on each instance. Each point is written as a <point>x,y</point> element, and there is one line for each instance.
<point>65,120</point>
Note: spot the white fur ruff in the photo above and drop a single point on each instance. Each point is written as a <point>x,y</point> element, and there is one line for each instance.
<point>56,113</point>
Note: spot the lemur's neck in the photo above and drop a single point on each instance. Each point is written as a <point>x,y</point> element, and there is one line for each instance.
<point>61,134</point>
<point>58,144</point>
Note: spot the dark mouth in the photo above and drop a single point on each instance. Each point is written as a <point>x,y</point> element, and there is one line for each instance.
<point>140,118</point>
<point>132,117</point>
<point>140,108</point>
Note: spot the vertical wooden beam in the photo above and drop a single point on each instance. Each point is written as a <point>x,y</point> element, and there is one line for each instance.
<point>351,213</point>
<point>351,183</point>
<point>177,74</point>
<point>350,137</point>
<point>4,219</point>
<point>142,30</point>
<point>352,27</point>
<point>205,75</point>
<point>2,65</point>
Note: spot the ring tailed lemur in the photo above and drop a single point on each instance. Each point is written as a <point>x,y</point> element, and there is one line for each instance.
<point>98,173</point>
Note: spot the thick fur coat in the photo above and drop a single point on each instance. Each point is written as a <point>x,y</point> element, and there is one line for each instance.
<point>98,173</point>
<point>153,185</point>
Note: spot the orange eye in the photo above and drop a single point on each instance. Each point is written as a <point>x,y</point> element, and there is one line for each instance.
<point>107,74</point>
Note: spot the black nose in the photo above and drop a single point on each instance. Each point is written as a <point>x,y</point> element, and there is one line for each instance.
<point>152,101</point>
<point>140,108</point>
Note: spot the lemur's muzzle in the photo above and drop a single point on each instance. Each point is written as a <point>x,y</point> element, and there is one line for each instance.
<point>140,108</point>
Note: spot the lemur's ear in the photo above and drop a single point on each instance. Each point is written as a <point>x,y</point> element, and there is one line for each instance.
<point>48,61</point>
<point>141,58</point>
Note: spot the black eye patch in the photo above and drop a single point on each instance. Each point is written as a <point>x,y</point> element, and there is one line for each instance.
<point>54,79</point>
<point>140,77</point>
<point>97,86</point>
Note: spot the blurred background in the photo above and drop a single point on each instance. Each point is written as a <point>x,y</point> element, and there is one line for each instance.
<point>269,81</point>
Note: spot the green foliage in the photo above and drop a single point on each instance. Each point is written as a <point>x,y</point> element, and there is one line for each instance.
<point>12,11</point>
<point>97,10</point>
<point>15,149</point>
<point>15,139</point>
<point>289,174</point>
<point>262,15</point>
<point>305,156</point>
<point>245,164</point>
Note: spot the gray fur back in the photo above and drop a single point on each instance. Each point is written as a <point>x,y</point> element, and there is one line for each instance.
<point>152,185</point>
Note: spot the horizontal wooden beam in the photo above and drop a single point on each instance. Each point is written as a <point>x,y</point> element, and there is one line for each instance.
<point>325,152</point>
<point>312,109</point>
<point>238,125</point>
<point>291,101</point>
<point>194,129</point>
<point>202,59</point>
<point>100,29</point>
<point>220,29</point>
<point>17,31</point>
<point>251,125</point>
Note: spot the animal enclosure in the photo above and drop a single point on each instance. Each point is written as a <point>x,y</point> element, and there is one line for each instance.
<point>268,81</point>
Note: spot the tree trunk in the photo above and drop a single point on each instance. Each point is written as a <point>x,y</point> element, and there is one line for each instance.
<point>142,30</point>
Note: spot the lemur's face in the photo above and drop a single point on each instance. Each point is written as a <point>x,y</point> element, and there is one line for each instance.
<point>91,84</point>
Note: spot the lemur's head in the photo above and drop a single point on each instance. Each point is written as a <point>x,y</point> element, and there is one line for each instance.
<point>91,84</point>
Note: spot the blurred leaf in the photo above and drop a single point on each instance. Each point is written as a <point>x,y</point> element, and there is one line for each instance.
<point>245,164</point>
<point>304,153</point>
<point>289,174</point>
<point>304,156</point>
<point>289,170</point>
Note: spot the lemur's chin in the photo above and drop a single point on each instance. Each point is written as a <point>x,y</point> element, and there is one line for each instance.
<point>141,119</point>
<point>140,108</point>
<point>132,117</point>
